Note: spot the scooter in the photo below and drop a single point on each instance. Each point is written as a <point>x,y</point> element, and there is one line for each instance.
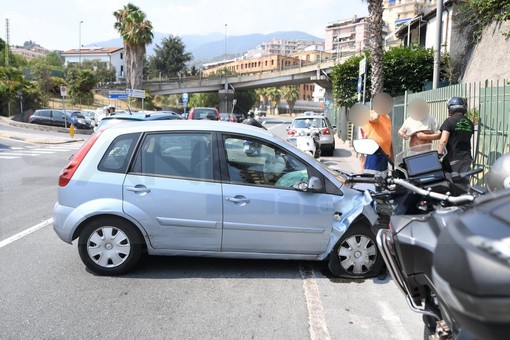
<point>308,140</point>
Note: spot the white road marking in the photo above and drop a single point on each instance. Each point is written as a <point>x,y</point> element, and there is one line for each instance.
<point>272,127</point>
<point>317,325</point>
<point>393,321</point>
<point>26,232</point>
<point>8,157</point>
<point>4,153</point>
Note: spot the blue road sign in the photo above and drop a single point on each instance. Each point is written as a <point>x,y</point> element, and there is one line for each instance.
<point>360,84</point>
<point>72,118</point>
<point>185,97</point>
<point>118,96</point>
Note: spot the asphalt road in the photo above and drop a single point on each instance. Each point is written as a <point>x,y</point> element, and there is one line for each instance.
<point>47,293</point>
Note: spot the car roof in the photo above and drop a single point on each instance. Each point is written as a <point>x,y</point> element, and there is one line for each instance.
<point>187,125</point>
<point>309,117</point>
<point>143,116</point>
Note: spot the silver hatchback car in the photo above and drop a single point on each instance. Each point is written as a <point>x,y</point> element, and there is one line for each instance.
<point>189,188</point>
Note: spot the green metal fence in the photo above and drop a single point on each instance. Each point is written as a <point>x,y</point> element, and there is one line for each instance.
<point>488,107</point>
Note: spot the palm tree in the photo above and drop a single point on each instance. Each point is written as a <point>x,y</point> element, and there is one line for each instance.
<point>136,33</point>
<point>274,94</point>
<point>375,32</point>
<point>291,95</point>
<point>262,95</point>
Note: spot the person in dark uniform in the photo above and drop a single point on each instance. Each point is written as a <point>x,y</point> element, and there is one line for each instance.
<point>456,133</point>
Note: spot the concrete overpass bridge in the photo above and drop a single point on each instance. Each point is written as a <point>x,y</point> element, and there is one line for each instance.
<point>226,85</point>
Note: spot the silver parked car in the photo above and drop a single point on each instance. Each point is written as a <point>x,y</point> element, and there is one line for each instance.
<point>188,188</point>
<point>327,131</point>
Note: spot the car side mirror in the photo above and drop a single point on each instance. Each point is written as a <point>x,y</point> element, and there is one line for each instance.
<point>365,146</point>
<point>288,127</point>
<point>313,184</point>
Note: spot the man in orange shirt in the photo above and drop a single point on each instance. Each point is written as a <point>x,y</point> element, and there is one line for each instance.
<point>378,128</point>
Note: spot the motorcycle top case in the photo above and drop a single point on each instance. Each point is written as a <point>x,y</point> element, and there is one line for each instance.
<point>472,267</point>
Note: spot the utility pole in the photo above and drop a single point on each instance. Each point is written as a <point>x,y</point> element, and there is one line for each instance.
<point>225,54</point>
<point>439,36</point>
<point>79,41</point>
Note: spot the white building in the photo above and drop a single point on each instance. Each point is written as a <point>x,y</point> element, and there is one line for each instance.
<point>112,55</point>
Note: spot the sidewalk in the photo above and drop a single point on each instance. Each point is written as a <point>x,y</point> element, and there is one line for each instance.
<point>18,131</point>
<point>345,158</point>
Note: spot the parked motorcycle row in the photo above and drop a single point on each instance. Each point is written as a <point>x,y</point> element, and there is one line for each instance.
<point>447,247</point>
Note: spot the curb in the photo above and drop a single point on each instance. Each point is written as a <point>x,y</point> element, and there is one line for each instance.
<point>28,126</point>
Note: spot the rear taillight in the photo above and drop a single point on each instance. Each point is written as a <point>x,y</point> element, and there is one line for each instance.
<point>325,131</point>
<point>68,172</point>
<point>291,132</point>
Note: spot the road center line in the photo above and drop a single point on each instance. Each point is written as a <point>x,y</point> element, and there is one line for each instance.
<point>317,325</point>
<point>25,232</point>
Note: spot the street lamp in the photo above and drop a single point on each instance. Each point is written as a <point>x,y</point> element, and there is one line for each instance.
<point>225,54</point>
<point>79,41</point>
<point>20,94</point>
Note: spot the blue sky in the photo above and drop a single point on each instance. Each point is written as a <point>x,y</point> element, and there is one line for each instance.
<point>54,24</point>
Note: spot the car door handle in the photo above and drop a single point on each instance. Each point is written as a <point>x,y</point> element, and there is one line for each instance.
<point>238,199</point>
<point>139,189</point>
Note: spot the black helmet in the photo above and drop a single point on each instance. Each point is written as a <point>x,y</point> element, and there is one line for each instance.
<point>251,114</point>
<point>456,104</point>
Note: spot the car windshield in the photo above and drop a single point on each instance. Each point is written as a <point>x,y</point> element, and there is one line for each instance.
<point>307,123</point>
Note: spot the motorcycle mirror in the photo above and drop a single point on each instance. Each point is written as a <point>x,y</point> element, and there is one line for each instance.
<point>365,146</point>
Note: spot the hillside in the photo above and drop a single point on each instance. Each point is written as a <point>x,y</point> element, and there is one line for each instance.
<point>210,46</point>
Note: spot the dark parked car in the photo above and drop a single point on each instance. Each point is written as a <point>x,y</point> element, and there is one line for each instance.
<point>203,113</point>
<point>48,117</point>
<point>60,118</point>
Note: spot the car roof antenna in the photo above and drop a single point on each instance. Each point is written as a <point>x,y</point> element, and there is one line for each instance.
<point>129,109</point>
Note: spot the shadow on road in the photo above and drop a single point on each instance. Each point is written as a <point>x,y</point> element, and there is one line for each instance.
<point>342,153</point>
<point>177,267</point>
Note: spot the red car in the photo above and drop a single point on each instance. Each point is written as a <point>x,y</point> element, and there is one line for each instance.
<point>202,113</point>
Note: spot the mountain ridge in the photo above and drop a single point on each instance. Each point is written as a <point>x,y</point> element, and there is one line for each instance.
<point>209,46</point>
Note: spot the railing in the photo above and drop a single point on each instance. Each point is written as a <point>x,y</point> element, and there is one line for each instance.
<point>488,108</point>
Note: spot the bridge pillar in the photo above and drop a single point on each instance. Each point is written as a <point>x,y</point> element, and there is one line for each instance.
<point>226,98</point>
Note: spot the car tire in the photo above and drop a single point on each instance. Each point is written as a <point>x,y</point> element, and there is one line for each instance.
<point>356,254</point>
<point>329,150</point>
<point>110,246</point>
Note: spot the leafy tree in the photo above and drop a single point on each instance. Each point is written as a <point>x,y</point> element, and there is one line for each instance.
<point>12,83</point>
<point>376,39</point>
<point>263,97</point>
<point>103,71</point>
<point>82,86</point>
<point>14,59</point>
<point>41,72</point>
<point>245,100</point>
<point>406,68</point>
<point>136,32</point>
<point>193,71</point>
<point>204,100</point>
<point>291,95</point>
<point>54,59</point>
<point>170,58</point>
<point>474,15</point>
<point>345,79</point>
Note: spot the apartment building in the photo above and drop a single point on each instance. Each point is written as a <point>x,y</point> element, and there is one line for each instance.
<point>399,12</point>
<point>347,37</point>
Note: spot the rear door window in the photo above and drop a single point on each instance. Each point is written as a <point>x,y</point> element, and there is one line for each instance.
<point>119,153</point>
<point>184,155</point>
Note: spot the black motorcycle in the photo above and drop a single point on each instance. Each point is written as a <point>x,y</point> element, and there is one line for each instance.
<point>451,257</point>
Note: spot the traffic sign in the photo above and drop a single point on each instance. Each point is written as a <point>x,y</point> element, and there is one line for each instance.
<point>112,94</point>
<point>362,66</point>
<point>360,84</point>
<point>63,91</point>
<point>185,97</point>
<point>136,93</point>
<point>328,103</point>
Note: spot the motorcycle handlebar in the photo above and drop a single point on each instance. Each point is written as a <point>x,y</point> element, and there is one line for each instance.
<point>428,193</point>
